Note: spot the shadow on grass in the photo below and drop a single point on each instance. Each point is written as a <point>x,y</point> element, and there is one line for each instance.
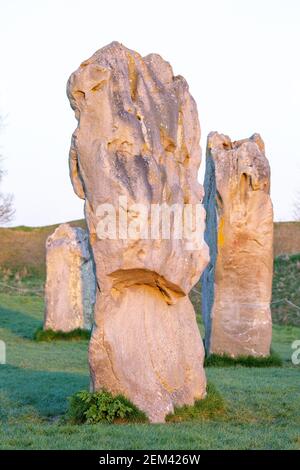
<point>50,335</point>
<point>19,323</point>
<point>35,392</point>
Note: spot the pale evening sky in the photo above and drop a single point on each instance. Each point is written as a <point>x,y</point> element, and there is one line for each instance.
<point>240,58</point>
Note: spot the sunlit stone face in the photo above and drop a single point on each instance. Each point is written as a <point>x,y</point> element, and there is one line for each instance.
<point>237,284</point>
<point>137,146</point>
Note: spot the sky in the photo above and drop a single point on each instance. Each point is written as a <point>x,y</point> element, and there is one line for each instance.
<point>240,58</point>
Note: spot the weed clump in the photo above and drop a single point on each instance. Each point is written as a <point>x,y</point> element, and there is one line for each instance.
<point>102,406</point>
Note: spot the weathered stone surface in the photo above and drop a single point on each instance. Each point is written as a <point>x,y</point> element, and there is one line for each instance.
<point>70,290</point>
<point>138,137</point>
<point>237,283</point>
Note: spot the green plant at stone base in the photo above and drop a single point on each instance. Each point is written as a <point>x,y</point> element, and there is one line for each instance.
<point>102,406</point>
<point>50,335</point>
<point>224,360</point>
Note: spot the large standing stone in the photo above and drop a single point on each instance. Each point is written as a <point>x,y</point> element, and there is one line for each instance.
<point>138,137</point>
<point>71,285</point>
<point>237,283</point>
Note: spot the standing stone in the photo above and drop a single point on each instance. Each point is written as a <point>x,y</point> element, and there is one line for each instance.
<point>237,283</point>
<point>137,144</point>
<point>70,286</point>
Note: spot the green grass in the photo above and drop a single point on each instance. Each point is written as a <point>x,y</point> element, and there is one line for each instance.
<point>286,286</point>
<point>213,406</point>
<point>17,280</point>
<point>50,335</point>
<point>223,360</point>
<point>261,405</point>
<point>24,228</point>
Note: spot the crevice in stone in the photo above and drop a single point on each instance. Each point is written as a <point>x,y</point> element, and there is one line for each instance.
<point>126,278</point>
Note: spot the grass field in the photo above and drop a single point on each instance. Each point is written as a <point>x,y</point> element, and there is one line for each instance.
<point>262,404</point>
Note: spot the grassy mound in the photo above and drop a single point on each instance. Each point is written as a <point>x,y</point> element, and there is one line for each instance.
<point>50,335</point>
<point>99,407</point>
<point>218,360</point>
<point>211,407</point>
<point>24,247</point>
